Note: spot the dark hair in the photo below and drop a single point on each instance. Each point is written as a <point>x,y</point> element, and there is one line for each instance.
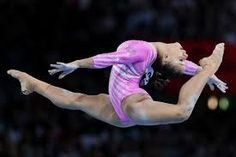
<point>162,74</point>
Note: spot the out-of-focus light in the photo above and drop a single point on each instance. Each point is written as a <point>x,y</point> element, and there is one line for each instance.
<point>212,102</point>
<point>224,103</point>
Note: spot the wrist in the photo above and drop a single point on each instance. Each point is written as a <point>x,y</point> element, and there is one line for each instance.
<point>75,64</point>
<point>83,63</point>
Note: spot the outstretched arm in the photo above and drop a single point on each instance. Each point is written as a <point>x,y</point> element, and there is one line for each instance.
<point>192,69</point>
<point>107,59</point>
<point>97,62</point>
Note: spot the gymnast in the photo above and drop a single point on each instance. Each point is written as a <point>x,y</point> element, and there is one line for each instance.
<point>133,64</point>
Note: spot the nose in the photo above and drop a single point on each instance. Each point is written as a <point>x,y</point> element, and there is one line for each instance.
<point>185,54</point>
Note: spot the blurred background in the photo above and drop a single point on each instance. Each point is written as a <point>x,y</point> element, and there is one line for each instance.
<point>35,33</point>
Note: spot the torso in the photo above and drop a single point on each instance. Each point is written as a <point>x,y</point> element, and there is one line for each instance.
<point>124,79</point>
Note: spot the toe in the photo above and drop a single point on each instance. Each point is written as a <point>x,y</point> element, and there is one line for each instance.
<point>13,73</point>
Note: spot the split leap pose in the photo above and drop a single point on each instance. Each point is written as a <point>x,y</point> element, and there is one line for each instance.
<point>133,64</point>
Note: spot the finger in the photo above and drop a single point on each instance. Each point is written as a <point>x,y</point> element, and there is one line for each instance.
<point>56,66</point>
<point>221,88</point>
<point>223,91</point>
<point>62,75</point>
<point>53,71</point>
<point>212,87</point>
<point>219,81</point>
<point>224,86</point>
<point>61,63</point>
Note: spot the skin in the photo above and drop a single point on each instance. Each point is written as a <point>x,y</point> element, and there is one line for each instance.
<point>172,54</point>
<point>141,109</point>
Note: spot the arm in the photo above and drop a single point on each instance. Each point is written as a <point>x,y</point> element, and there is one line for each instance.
<point>108,59</point>
<point>126,56</point>
<point>192,69</point>
<point>83,63</point>
<point>104,60</point>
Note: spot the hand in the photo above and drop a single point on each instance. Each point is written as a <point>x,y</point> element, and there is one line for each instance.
<point>65,68</point>
<point>222,86</point>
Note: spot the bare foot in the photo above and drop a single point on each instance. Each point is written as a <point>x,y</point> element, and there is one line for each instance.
<point>26,81</point>
<point>212,63</point>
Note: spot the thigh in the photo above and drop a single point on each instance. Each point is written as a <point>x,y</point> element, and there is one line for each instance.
<point>100,107</point>
<point>144,111</point>
<point>161,112</point>
<point>134,98</point>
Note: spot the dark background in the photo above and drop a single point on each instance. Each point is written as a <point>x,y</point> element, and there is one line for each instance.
<point>35,33</point>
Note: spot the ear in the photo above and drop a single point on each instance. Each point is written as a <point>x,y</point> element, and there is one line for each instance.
<point>166,56</point>
<point>164,59</point>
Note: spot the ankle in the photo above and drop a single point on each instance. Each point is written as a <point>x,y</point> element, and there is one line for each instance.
<point>41,87</point>
<point>209,72</point>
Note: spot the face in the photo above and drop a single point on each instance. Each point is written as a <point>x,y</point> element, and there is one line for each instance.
<point>175,56</point>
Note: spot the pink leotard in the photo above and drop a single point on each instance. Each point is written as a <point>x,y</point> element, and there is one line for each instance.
<point>129,62</point>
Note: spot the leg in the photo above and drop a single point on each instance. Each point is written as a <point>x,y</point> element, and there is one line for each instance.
<point>148,112</point>
<point>98,106</point>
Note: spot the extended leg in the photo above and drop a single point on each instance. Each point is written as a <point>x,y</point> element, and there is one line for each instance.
<point>148,112</point>
<point>98,106</point>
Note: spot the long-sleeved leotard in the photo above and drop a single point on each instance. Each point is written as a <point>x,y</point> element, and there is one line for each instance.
<point>130,62</point>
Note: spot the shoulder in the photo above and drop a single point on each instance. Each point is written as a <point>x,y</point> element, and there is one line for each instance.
<point>153,45</point>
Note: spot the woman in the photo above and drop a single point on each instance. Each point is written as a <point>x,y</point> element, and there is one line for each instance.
<point>127,104</point>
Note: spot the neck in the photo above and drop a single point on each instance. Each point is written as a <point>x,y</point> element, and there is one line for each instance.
<point>160,48</point>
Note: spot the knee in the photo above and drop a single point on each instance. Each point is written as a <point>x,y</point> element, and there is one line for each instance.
<point>103,97</point>
<point>70,101</point>
<point>184,113</point>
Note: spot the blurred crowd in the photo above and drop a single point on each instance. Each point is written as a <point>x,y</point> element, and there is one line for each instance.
<point>37,33</point>
<point>38,129</point>
<point>28,22</point>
